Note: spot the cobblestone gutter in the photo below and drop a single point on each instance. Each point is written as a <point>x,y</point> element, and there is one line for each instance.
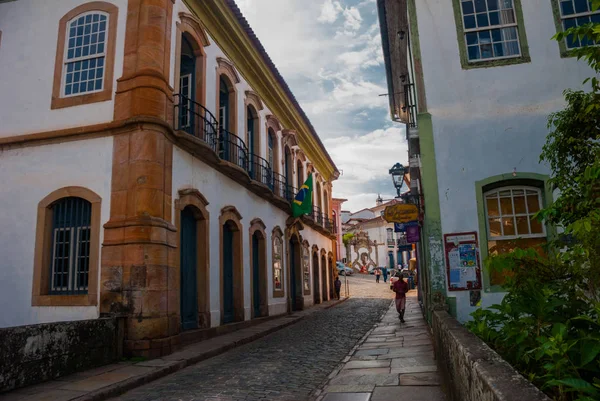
<point>473,371</point>
<point>35,353</point>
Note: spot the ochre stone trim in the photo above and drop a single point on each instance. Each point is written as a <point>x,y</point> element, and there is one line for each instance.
<point>279,234</point>
<point>253,98</point>
<point>230,215</point>
<point>227,67</point>
<point>43,252</point>
<point>58,101</point>
<point>193,24</point>
<point>257,225</point>
<point>192,197</point>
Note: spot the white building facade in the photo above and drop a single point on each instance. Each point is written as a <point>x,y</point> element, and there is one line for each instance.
<point>482,78</point>
<point>148,165</point>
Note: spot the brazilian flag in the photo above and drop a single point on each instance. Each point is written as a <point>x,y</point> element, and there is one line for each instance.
<point>303,201</point>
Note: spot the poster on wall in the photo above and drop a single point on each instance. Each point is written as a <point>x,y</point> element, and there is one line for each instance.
<point>462,261</point>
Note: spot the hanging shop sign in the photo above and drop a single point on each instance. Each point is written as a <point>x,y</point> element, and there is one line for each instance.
<point>412,234</point>
<point>462,261</point>
<point>401,213</point>
<point>401,227</point>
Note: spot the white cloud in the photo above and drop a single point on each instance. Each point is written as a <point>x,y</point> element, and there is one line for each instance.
<point>329,52</point>
<point>330,11</point>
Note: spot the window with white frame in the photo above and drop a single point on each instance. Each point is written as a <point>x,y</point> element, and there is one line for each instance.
<point>277,263</point>
<point>306,267</point>
<point>85,54</point>
<point>490,29</point>
<point>510,211</point>
<point>576,13</point>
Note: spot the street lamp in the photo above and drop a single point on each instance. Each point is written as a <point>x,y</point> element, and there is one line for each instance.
<point>397,172</point>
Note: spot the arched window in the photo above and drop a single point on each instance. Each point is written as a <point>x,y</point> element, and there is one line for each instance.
<point>252,130</point>
<point>277,258</point>
<point>270,148</point>
<point>70,249</point>
<point>225,108</point>
<point>509,215</point>
<point>85,55</point>
<point>67,247</point>
<point>299,174</point>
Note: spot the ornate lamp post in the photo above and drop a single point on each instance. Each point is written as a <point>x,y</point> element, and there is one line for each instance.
<point>397,172</point>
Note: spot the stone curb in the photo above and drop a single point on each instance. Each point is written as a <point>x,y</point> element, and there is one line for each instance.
<point>122,387</point>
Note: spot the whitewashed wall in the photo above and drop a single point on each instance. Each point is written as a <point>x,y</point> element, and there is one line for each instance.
<point>28,175</point>
<point>27,54</point>
<point>488,121</point>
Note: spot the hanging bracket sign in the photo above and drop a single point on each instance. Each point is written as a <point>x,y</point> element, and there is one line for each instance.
<point>401,213</point>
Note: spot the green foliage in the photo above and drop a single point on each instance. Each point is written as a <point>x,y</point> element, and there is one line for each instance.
<point>548,324</point>
<point>346,238</point>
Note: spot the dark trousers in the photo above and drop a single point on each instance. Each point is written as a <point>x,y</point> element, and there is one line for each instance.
<point>337,293</point>
<point>377,278</point>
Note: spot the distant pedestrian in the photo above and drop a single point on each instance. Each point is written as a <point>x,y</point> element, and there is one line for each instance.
<point>377,274</point>
<point>385,274</point>
<point>400,287</point>
<point>338,286</point>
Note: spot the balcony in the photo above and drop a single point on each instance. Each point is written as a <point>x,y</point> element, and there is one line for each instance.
<point>219,145</point>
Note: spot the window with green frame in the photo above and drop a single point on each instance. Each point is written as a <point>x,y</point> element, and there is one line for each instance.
<point>572,13</point>
<point>490,32</point>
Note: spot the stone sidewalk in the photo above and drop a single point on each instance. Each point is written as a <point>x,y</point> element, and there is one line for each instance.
<point>115,379</point>
<point>394,361</point>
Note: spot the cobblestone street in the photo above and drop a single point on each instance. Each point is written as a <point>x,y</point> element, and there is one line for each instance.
<point>286,365</point>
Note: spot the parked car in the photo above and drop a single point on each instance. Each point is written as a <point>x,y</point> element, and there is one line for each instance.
<point>343,270</point>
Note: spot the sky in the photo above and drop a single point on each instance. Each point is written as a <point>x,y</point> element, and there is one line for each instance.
<point>329,52</point>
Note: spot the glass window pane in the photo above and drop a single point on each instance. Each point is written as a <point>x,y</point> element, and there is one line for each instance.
<point>507,17</point>
<point>498,49</point>
<point>471,38</point>
<point>522,225</point>
<point>494,18</point>
<point>506,206</point>
<point>473,52</point>
<point>536,227</point>
<point>486,51</point>
<point>482,20</point>
<point>480,6</point>
<point>533,203</point>
<point>495,229</point>
<point>492,207</point>
<point>581,6</point>
<point>492,5</point>
<point>469,21</point>
<point>467,7</point>
<point>508,224</point>
<point>520,205</point>
<point>566,7</point>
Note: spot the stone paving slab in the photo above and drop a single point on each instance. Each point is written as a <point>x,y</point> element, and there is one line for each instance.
<point>412,370</point>
<point>115,379</point>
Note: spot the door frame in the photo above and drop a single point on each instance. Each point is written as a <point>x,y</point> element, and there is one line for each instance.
<point>192,197</point>
<point>258,227</point>
<point>316,275</point>
<point>230,215</point>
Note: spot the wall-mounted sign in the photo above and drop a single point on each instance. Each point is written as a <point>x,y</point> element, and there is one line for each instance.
<point>462,261</point>
<point>401,213</point>
<point>412,234</point>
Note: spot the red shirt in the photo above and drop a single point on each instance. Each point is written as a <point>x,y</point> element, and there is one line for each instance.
<point>400,287</point>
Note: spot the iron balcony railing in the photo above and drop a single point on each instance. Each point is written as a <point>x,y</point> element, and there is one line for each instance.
<point>318,215</point>
<point>259,170</point>
<point>281,188</point>
<point>327,224</point>
<point>233,149</point>
<point>195,119</point>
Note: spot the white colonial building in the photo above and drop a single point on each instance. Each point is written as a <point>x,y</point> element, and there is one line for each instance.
<point>149,153</point>
<point>475,81</point>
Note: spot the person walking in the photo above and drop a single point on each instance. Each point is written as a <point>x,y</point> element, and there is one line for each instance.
<point>377,274</point>
<point>337,285</point>
<point>385,274</point>
<point>400,287</point>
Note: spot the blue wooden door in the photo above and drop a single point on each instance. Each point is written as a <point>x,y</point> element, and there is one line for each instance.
<point>189,262</point>
<point>255,275</point>
<point>391,260</point>
<point>228,305</point>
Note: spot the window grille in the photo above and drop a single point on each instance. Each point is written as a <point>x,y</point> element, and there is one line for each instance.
<point>70,263</point>
<point>576,13</point>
